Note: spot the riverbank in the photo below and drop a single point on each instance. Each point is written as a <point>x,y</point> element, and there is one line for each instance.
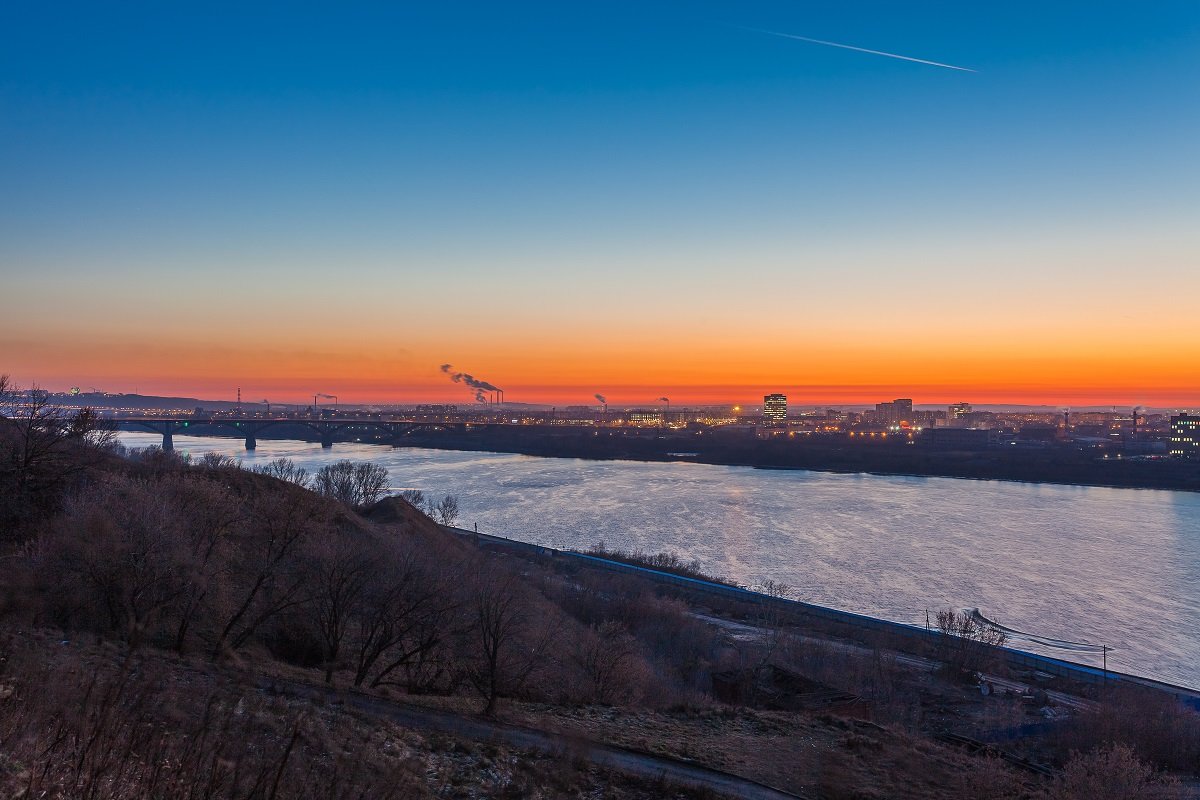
<point>1065,562</point>
<point>1082,679</point>
<point>1060,464</point>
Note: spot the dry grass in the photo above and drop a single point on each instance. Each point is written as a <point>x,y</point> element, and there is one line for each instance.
<point>815,755</point>
<point>96,721</point>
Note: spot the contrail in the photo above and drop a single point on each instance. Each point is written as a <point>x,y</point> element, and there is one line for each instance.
<point>860,49</point>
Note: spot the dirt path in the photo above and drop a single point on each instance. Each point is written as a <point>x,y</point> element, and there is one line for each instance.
<point>631,762</point>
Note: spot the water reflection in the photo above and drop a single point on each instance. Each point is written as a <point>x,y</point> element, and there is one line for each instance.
<point>1114,566</point>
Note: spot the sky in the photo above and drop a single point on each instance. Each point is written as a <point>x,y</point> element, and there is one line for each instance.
<point>633,198</point>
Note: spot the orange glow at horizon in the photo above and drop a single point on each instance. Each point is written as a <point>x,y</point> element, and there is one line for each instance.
<point>739,370</point>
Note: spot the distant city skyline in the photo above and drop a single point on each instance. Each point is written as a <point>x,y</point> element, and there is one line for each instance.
<point>696,200</point>
<point>795,398</point>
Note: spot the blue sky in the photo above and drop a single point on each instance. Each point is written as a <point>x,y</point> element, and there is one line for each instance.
<point>472,152</point>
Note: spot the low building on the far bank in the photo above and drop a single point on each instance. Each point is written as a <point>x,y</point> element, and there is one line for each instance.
<point>1185,436</point>
<point>957,438</point>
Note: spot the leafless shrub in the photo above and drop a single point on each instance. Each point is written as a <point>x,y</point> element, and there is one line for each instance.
<point>446,511</point>
<point>156,461</point>
<point>1159,727</point>
<point>990,778</point>
<point>966,642</point>
<point>663,562</point>
<point>356,485</point>
<point>218,461</point>
<point>284,469</point>
<point>129,729</point>
<point>44,450</point>
<point>1113,772</point>
<point>119,557</point>
<point>608,657</point>
<point>679,648</point>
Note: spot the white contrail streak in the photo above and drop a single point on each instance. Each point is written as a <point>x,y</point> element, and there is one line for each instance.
<point>861,49</point>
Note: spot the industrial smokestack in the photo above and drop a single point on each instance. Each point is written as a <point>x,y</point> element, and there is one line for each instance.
<point>481,387</point>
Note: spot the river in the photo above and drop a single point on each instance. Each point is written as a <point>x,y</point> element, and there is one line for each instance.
<point>1114,567</point>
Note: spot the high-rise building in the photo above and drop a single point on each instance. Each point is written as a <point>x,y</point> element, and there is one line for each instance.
<point>959,410</point>
<point>1185,436</point>
<point>899,410</point>
<point>775,408</point>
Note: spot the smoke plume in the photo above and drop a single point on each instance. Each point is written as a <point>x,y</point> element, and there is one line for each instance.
<point>601,398</point>
<point>480,387</point>
<point>663,400</point>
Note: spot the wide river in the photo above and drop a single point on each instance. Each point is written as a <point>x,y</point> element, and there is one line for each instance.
<point>1115,567</point>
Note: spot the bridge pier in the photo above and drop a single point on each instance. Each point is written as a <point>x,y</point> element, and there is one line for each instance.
<point>168,441</point>
<point>327,440</point>
<point>251,443</point>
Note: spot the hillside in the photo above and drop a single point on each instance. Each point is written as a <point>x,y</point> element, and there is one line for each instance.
<point>172,628</point>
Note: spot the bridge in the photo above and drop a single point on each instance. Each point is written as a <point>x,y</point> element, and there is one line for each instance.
<point>250,428</point>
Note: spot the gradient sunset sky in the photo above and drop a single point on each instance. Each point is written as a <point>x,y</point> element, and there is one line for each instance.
<point>635,199</point>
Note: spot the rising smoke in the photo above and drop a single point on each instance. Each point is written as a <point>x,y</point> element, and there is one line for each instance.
<point>481,388</point>
<point>601,398</point>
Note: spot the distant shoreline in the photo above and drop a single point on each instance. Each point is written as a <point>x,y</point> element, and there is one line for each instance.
<point>828,469</point>
<point>1054,467</point>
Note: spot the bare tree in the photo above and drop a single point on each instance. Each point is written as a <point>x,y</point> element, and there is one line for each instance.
<point>340,569</point>
<point>414,497</point>
<point>120,546</point>
<point>44,447</point>
<point>354,484</point>
<point>446,512</point>
<point>210,515</point>
<point>771,614</point>
<point>967,642</point>
<point>607,656</point>
<point>284,469</point>
<point>405,616</point>
<point>265,579</point>
<point>507,646</point>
